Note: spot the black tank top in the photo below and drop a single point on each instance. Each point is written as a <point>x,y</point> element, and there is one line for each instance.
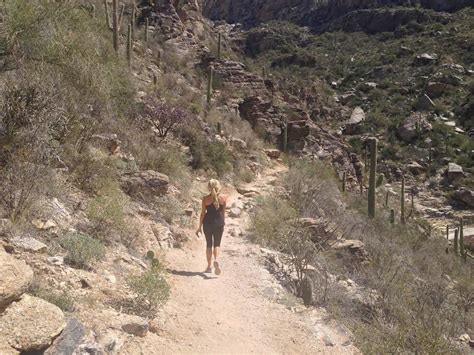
<point>214,216</point>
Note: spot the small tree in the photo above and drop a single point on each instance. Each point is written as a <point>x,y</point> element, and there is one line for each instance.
<point>164,117</point>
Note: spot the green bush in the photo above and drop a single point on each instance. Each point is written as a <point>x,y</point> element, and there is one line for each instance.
<point>61,298</point>
<point>82,250</point>
<point>151,289</point>
<point>107,207</point>
<point>207,154</point>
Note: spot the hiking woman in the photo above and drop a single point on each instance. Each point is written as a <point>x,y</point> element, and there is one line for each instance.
<point>212,220</point>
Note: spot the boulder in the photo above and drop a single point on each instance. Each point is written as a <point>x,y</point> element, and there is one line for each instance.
<point>6,349</point>
<point>238,143</point>
<point>235,212</point>
<point>69,340</point>
<point>347,98</point>
<point>426,58</point>
<point>465,196</point>
<point>357,117</point>
<point>44,225</point>
<point>272,153</point>
<point>454,172</point>
<point>415,168</point>
<point>15,278</point>
<point>145,183</point>
<point>414,125</point>
<point>136,326</point>
<point>355,248</point>
<point>31,324</point>
<point>29,244</point>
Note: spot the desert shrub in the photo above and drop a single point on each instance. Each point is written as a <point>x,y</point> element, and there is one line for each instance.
<point>151,290</point>
<point>164,117</point>
<point>207,154</point>
<point>268,219</point>
<point>61,298</point>
<point>31,122</point>
<point>171,208</point>
<point>82,250</point>
<point>108,206</point>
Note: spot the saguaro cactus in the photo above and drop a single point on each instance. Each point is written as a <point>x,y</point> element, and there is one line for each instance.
<point>285,137</point>
<point>129,45</point>
<point>392,217</point>
<point>447,232</point>
<point>461,237</point>
<point>219,42</point>
<point>264,73</point>
<point>372,176</point>
<point>455,244</point>
<point>344,181</point>
<point>209,85</point>
<point>115,24</point>
<point>386,198</point>
<point>132,20</point>
<point>307,291</point>
<point>402,202</point>
<point>147,24</point>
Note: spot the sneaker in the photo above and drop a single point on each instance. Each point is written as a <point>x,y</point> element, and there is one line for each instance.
<point>217,269</point>
<point>208,270</point>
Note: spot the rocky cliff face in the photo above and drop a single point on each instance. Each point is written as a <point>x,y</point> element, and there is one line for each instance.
<point>312,13</point>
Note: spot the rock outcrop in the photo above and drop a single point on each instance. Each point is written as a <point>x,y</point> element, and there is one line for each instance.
<point>31,324</point>
<point>145,183</point>
<point>15,278</point>
<point>316,14</point>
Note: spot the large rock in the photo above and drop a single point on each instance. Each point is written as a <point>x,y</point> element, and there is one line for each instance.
<point>15,278</point>
<point>413,126</point>
<point>69,340</point>
<point>29,244</point>
<point>415,168</point>
<point>136,326</point>
<point>353,124</point>
<point>426,58</point>
<point>146,183</point>
<point>454,172</point>
<point>355,248</point>
<point>31,324</point>
<point>465,196</point>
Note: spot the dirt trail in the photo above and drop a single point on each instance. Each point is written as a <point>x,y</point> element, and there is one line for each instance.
<point>237,312</point>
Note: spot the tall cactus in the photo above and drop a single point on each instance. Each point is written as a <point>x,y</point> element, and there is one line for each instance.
<point>392,217</point>
<point>344,181</point>
<point>133,19</point>
<point>147,25</point>
<point>402,202</point>
<point>107,15</point>
<point>447,232</point>
<point>264,73</point>
<point>372,177</point>
<point>387,195</point>
<point>219,42</point>
<point>129,45</point>
<point>455,244</point>
<point>115,25</point>
<point>285,137</point>
<point>461,237</point>
<point>209,85</point>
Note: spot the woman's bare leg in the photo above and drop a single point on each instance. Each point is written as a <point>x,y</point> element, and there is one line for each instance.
<point>209,257</point>
<point>216,253</point>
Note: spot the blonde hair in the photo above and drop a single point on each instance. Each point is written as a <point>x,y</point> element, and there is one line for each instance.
<point>214,187</point>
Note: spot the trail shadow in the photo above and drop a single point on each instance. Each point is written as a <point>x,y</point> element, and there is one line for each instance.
<point>190,274</point>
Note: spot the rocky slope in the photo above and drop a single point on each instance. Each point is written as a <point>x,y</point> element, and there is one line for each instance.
<point>317,14</point>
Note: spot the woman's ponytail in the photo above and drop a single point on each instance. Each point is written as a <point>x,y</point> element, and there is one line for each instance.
<point>214,187</point>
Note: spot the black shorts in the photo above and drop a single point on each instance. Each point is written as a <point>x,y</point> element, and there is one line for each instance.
<point>213,235</point>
